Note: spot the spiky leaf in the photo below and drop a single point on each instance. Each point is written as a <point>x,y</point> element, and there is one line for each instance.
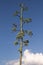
<point>16,43</point>
<point>20,35</point>
<point>27,20</point>
<point>25,8</point>
<point>30,33</point>
<point>14,29</point>
<point>16,13</point>
<point>26,42</point>
<point>20,50</point>
<point>15,25</point>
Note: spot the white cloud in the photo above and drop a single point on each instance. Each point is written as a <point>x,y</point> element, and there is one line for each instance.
<point>28,58</point>
<point>13,62</point>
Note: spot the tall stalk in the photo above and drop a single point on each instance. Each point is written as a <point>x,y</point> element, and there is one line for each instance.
<point>22,32</point>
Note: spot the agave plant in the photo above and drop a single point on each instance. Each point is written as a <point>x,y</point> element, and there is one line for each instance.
<point>21,33</point>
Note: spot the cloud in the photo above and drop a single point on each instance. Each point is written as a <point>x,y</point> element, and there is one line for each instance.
<point>13,62</point>
<point>31,58</point>
<point>28,58</point>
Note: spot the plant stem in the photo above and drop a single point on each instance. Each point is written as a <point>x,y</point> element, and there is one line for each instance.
<point>21,29</point>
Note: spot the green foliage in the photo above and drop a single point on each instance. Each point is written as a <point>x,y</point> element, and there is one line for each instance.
<point>15,25</point>
<point>15,43</point>
<point>24,7</point>
<point>30,33</point>
<point>16,13</point>
<point>27,20</point>
<point>26,42</point>
<point>14,29</point>
<point>20,35</point>
<point>20,50</point>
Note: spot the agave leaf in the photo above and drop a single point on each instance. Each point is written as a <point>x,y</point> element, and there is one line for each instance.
<point>20,50</point>
<point>20,35</point>
<point>16,43</point>
<point>14,29</point>
<point>27,20</point>
<point>29,33</point>
<point>21,5</point>
<point>14,25</point>
<point>26,42</point>
<point>25,8</point>
<point>16,13</point>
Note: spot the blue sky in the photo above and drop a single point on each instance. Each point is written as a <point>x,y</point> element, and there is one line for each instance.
<point>7,7</point>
